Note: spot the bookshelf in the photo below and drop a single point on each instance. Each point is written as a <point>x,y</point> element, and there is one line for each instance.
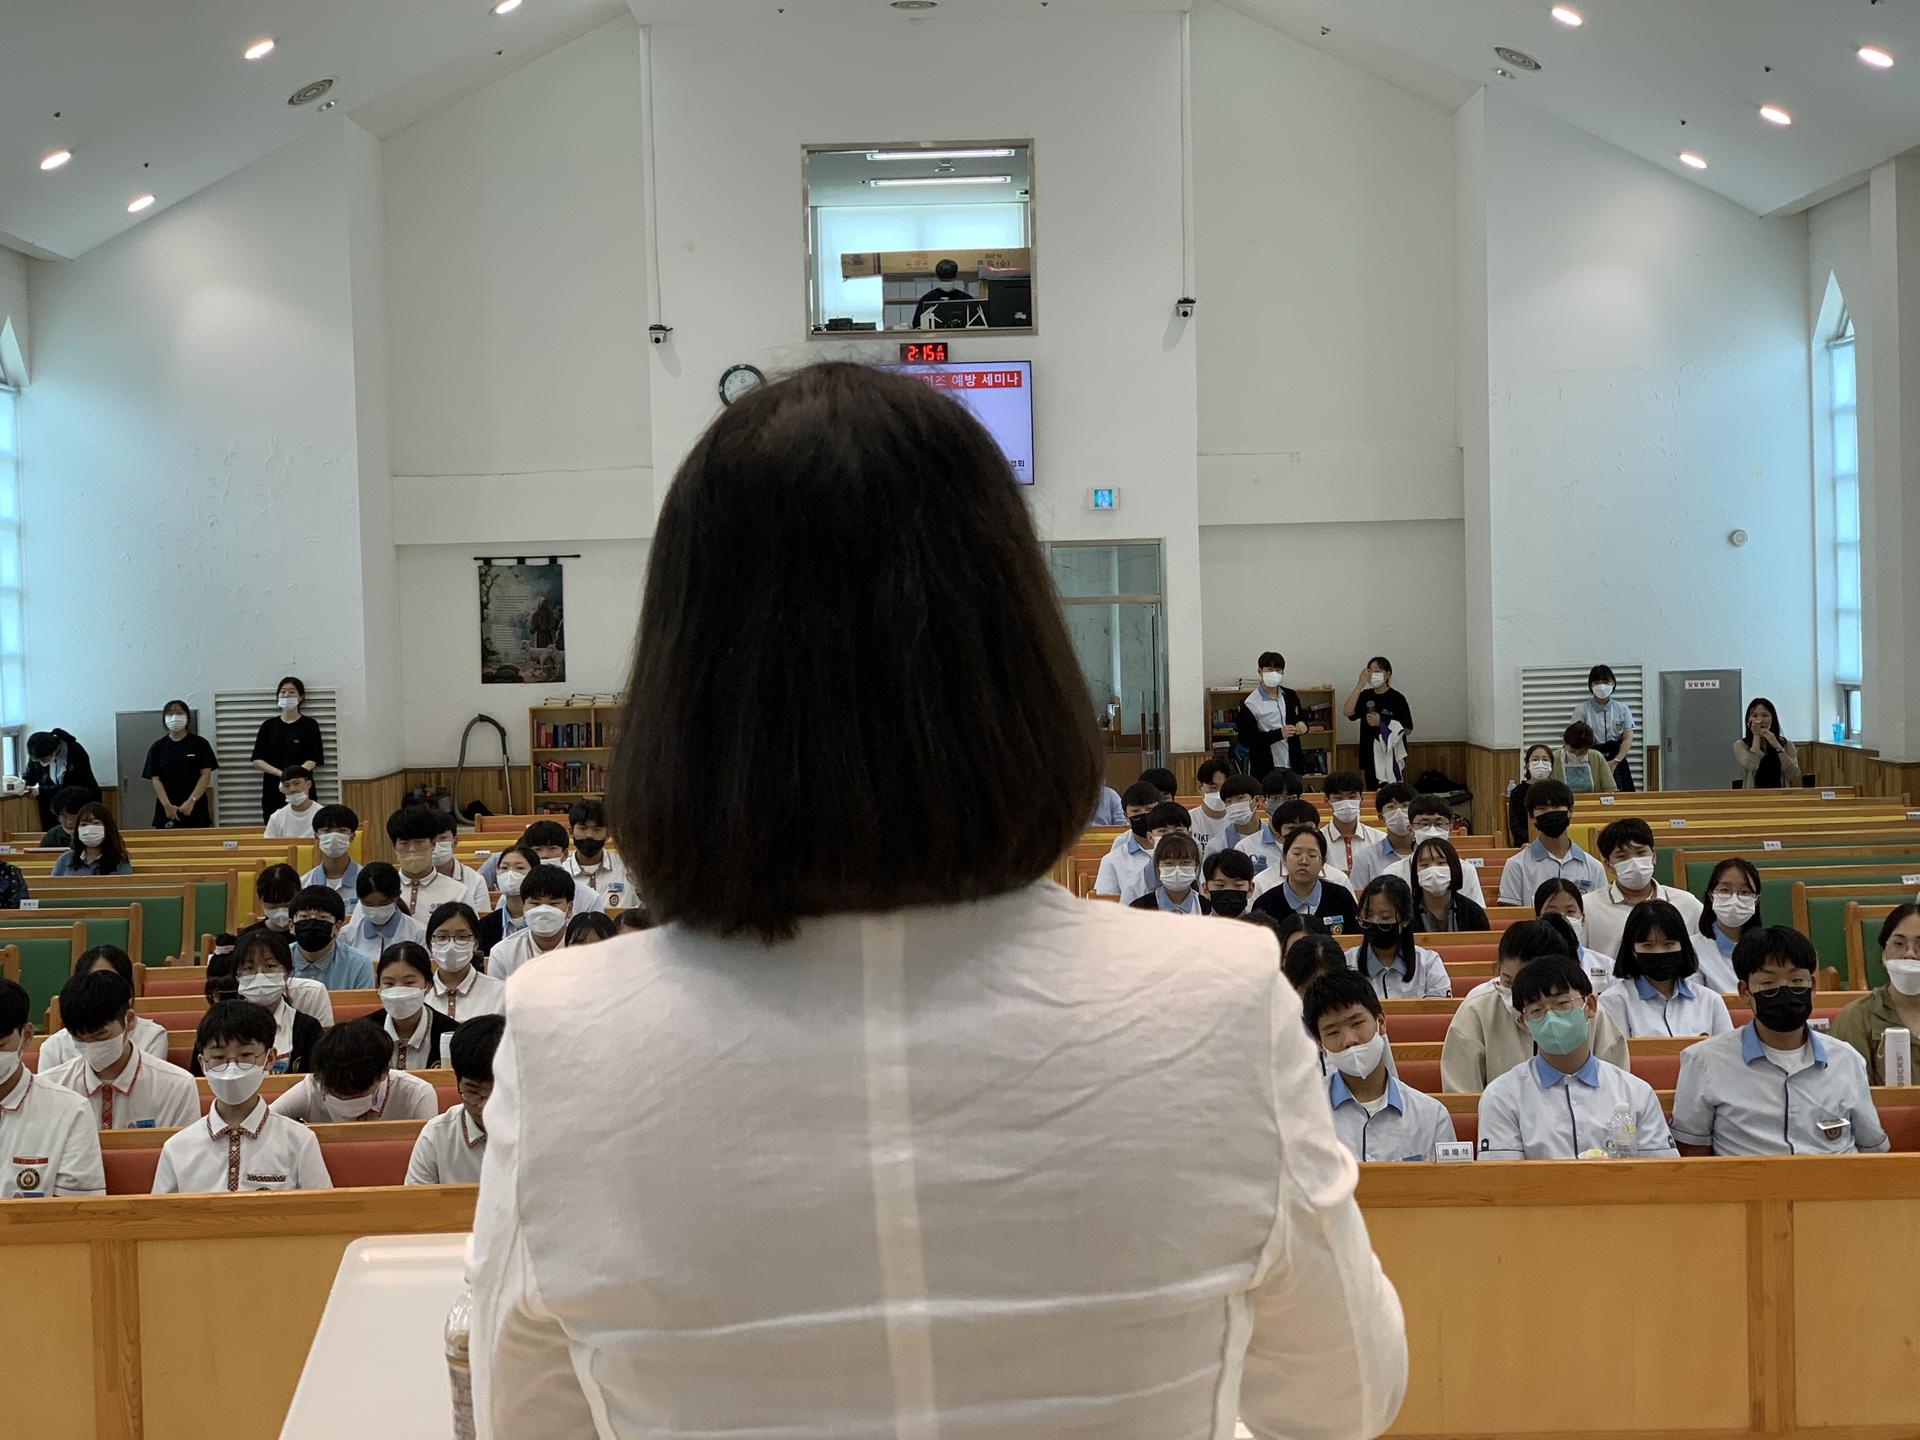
<point>1316,706</point>
<point>570,746</point>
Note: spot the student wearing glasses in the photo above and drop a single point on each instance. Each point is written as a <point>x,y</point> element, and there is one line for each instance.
<point>1775,1086</point>
<point>1864,1023</point>
<point>1731,908</point>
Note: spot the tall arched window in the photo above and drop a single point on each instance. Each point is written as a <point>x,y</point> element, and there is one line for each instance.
<point>1843,400</point>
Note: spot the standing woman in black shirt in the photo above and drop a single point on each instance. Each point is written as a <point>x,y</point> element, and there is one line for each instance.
<point>290,741</point>
<point>1375,703</point>
<point>180,765</point>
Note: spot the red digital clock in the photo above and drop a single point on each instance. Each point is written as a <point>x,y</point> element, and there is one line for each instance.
<point>924,352</point>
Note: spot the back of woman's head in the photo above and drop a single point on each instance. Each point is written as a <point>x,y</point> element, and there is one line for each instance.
<point>849,547</point>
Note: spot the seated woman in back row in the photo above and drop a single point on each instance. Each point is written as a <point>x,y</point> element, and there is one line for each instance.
<point>97,847</point>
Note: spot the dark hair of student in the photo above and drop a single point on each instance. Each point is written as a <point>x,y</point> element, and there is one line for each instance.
<point>410,953</point>
<point>1546,977</point>
<point>1240,787</point>
<point>68,799</point>
<point>1162,780</point>
<point>1743,867</point>
<point>1773,942</point>
<point>323,898</point>
<point>586,812</point>
<point>1311,955</point>
<point>470,1048</point>
<point>1295,922</point>
<point>113,850</point>
<point>587,927</point>
<point>1566,941</point>
<point>1632,831</point>
<point>551,834</point>
<point>1601,674</point>
<point>1397,894</point>
<point>1382,663</point>
<point>547,882</point>
<point>1431,806</point>
<point>636,917</point>
<point>297,683</point>
<point>13,1007</point>
<point>1394,792</point>
<point>1319,841</point>
<point>1559,885</point>
<point>453,910</point>
<point>335,817</point>
<point>235,1022</point>
<point>277,885</point>
<point>222,981</point>
<point>121,962</point>
<point>1282,781</point>
<point>525,852</point>
<point>295,776</point>
<point>42,745</point>
<point>1579,736</point>
<point>1176,846</point>
<point>1289,813</point>
<point>1773,716</point>
<point>1228,865</point>
<point>413,822</point>
<point>349,1059</point>
<point>1331,991</point>
<point>377,877</point>
<point>1140,793</point>
<point>1530,939</point>
<point>1526,755</point>
<point>886,532</point>
<point>947,270</point>
<point>1892,922</point>
<point>1346,782</point>
<point>1273,658</point>
<point>1549,795</point>
<point>1644,921</point>
<point>180,707</point>
<point>1167,815</point>
<point>92,1001</point>
<point>445,822</point>
<point>1212,770</point>
<point>1444,849</point>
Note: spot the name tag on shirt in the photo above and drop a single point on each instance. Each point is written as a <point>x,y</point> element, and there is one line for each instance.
<point>143,1124</point>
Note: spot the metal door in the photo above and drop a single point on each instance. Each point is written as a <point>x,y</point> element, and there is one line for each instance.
<point>1701,715</point>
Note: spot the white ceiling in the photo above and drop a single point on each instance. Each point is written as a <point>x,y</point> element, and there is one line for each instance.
<point>153,95</point>
<point>839,178</point>
<point>1638,67</point>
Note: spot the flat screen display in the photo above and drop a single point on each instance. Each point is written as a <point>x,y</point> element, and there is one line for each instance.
<point>1000,395</point>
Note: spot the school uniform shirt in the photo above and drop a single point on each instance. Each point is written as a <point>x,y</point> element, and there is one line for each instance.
<point>1226,838</point>
<point>265,1151</point>
<point>1609,721</point>
<point>1715,955</point>
<point>1107,811</point>
<point>1607,912</point>
<point>1743,1098</point>
<point>1458,914</point>
<point>1534,1112</point>
<point>426,1048</point>
<point>149,1037</point>
<point>292,1041</point>
<point>1375,860</point>
<point>1486,1038</point>
<point>1534,865</point>
<point>1258,724</point>
<point>1329,902</point>
<point>177,765</point>
<point>370,939</point>
<point>611,875</point>
<point>1429,980</point>
<point>1599,970</point>
<point>1402,1125</point>
<point>517,949</point>
<point>1639,1009</point>
<point>474,994</point>
<point>287,823</point>
<point>473,888</point>
<point>1263,848</point>
<point>148,1094</point>
<point>49,1144</point>
<point>401,1097</point>
<point>449,1150</point>
<point>310,997</point>
<point>1402,866</point>
<point>345,887</point>
<point>70,863</point>
<point>422,897</point>
<point>1126,872</point>
<point>1158,899</point>
<point>1343,850</point>
<point>337,967</point>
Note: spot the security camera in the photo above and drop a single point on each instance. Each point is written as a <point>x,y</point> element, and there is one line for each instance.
<point>1183,307</point>
<point>659,333</point>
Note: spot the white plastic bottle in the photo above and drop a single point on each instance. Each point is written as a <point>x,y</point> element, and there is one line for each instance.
<point>1621,1131</point>
<point>459,1364</point>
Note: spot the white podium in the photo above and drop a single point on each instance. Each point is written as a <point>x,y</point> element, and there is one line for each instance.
<point>378,1364</point>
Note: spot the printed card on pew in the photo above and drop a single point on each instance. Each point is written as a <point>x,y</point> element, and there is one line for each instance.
<point>1677,824</point>
<point>1829,795</point>
<point>229,844</point>
<point>29,904</point>
<point>1453,1152</point>
<point>1910,879</point>
<point>1477,861</point>
<point>1606,799</point>
<point>1770,845</point>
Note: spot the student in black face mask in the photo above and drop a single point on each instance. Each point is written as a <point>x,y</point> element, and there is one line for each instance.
<point>1387,955</point>
<point>1656,965</point>
<point>591,862</point>
<point>1229,882</point>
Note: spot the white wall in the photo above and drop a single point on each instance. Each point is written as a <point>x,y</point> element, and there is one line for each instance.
<point>1267,587</point>
<point>191,487</point>
<point>1647,365</point>
<point>1114,382</point>
<point>13,315</point>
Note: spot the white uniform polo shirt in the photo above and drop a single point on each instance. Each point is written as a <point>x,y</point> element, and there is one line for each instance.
<point>1738,1096</point>
<point>49,1145</point>
<point>449,1150</point>
<point>1534,1112</point>
<point>1126,872</point>
<point>1639,1009</point>
<point>1225,838</point>
<point>1207,823</point>
<point>147,1094</point>
<point>519,948</point>
<point>287,823</point>
<point>1607,912</point>
<point>423,897</point>
<point>403,1097</point>
<point>148,1035</point>
<point>1344,852</point>
<point>1406,1127</point>
<point>1265,880</point>
<point>476,994</point>
<point>611,873</point>
<point>1429,980</point>
<point>473,888</point>
<point>264,1152</point>
<point>417,1051</point>
<point>1716,963</point>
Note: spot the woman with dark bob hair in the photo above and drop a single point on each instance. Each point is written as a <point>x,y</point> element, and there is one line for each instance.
<point>863,1136</point>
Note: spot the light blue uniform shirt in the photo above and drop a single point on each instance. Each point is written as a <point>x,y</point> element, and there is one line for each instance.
<point>339,969</point>
<point>1609,721</point>
<point>1534,1112</point>
<point>1189,906</point>
<point>1527,871</point>
<point>1429,980</point>
<point>1639,1009</point>
<point>370,939</point>
<point>343,887</point>
<point>1126,872</point>
<point>1407,1128</point>
<point>1735,1095</point>
<point>1109,811</point>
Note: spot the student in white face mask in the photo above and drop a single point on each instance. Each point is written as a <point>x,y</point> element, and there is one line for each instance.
<point>1565,899</point>
<point>1176,868</point>
<point>1210,815</point>
<point>1347,836</point>
<point>1270,722</point>
<point>258,968</point>
<point>403,980</point>
<point>353,1079</point>
<point>460,989</point>
<point>1611,721</point>
<point>509,917</point>
<point>180,766</point>
<point>547,897</point>
<point>1894,1005</point>
<point>380,920</point>
<point>334,827</point>
<point>1730,908</point>
<point>1438,903</point>
<point>1536,764</point>
<point>1627,845</point>
<point>1376,1116</point>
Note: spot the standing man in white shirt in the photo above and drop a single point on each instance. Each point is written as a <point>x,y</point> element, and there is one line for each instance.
<point>49,1145</point>
<point>591,862</point>
<point>411,831</point>
<point>1552,856</point>
<point>126,1088</point>
<point>1627,845</point>
<point>1270,721</point>
<point>294,820</point>
<point>453,1144</point>
<point>1346,835</point>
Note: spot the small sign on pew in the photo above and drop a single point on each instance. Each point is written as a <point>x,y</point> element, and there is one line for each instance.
<point>1606,799</point>
<point>1910,879</point>
<point>1477,861</point>
<point>1771,844</point>
<point>29,904</point>
<point>229,844</point>
<point>1677,824</point>
<point>1453,1152</point>
<point>1828,795</point>
<point>7,850</point>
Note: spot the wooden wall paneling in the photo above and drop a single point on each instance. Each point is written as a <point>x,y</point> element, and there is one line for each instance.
<point>46,1330</point>
<point>482,783</point>
<point>373,800</point>
<point>1852,765</point>
<point>118,1360</point>
<point>1185,765</point>
<point>1877,1382</point>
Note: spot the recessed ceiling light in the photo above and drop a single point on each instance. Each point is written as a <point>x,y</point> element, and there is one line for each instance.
<point>942,180</point>
<point>1692,161</point>
<point>1876,57</point>
<point>56,159</point>
<point>1774,115</point>
<point>979,153</point>
<point>259,50</point>
<point>505,7</point>
<point>135,206</point>
<point>1568,16</point>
